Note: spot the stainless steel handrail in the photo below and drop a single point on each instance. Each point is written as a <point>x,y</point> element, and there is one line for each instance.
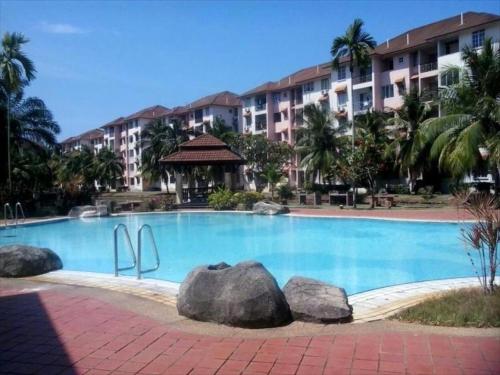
<point>130,246</point>
<point>20,207</point>
<point>6,220</point>
<point>139,250</point>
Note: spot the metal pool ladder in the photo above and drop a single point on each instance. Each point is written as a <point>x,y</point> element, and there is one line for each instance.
<point>19,209</point>
<point>130,247</point>
<point>137,262</point>
<point>6,207</point>
<point>139,250</point>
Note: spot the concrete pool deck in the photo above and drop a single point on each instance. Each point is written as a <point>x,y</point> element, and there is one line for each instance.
<point>59,329</point>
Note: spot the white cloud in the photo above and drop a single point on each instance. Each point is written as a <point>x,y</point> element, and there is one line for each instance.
<point>62,28</point>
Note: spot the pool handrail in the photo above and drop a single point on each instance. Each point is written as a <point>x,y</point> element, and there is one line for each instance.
<point>139,250</point>
<point>19,208</point>
<point>6,219</point>
<point>130,246</point>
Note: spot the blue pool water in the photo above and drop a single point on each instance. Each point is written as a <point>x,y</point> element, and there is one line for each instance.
<point>356,254</point>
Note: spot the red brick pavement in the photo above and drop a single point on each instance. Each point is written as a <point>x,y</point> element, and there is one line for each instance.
<point>51,332</point>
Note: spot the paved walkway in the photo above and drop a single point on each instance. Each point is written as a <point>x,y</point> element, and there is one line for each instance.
<point>428,214</point>
<point>54,332</point>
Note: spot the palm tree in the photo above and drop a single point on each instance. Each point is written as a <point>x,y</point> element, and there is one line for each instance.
<point>355,45</point>
<point>108,167</point>
<point>409,145</point>
<point>158,140</point>
<point>319,143</point>
<point>374,123</point>
<point>472,119</point>
<point>220,130</point>
<point>15,70</point>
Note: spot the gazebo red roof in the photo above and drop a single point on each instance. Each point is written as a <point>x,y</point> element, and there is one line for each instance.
<point>204,150</point>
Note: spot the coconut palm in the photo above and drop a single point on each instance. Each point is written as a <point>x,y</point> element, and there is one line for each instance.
<point>15,70</point>
<point>409,145</point>
<point>472,116</point>
<point>220,130</point>
<point>319,143</point>
<point>374,123</point>
<point>158,140</point>
<point>108,167</point>
<point>355,45</point>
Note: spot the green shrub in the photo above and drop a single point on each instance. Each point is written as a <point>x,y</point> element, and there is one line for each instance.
<point>285,192</point>
<point>222,199</point>
<point>247,198</point>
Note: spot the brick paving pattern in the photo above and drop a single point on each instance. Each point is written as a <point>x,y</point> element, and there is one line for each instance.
<point>51,332</point>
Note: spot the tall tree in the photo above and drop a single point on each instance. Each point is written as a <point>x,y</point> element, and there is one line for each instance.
<point>472,115</point>
<point>108,167</point>
<point>159,139</point>
<point>220,130</point>
<point>354,45</point>
<point>409,145</point>
<point>16,69</point>
<point>319,142</point>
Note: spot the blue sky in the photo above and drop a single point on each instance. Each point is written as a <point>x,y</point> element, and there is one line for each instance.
<point>99,60</point>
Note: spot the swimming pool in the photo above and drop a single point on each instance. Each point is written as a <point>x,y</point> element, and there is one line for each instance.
<point>357,254</point>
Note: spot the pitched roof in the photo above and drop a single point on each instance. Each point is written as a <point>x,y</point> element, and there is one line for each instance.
<point>91,134</point>
<point>294,79</point>
<point>117,121</point>
<point>224,98</point>
<point>203,150</point>
<point>149,113</point>
<point>427,33</point>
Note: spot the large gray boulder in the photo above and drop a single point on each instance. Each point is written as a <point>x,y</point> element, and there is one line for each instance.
<point>269,208</point>
<point>23,260</point>
<point>315,301</point>
<point>245,295</point>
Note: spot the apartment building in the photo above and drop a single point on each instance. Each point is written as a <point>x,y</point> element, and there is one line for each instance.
<point>199,115</point>
<point>92,139</point>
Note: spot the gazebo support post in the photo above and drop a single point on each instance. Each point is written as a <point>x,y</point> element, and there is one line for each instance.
<point>228,179</point>
<point>178,187</point>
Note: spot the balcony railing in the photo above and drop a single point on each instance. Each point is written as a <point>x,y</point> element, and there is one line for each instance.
<point>261,125</point>
<point>429,94</point>
<point>362,78</point>
<point>260,107</point>
<point>362,106</point>
<point>428,67</point>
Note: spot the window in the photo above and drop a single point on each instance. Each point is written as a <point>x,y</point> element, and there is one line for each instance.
<point>277,117</point>
<point>260,102</point>
<point>341,73</point>
<point>299,117</point>
<point>206,111</point>
<point>131,153</point>
<point>198,116</point>
<point>387,91</point>
<point>131,139</point>
<point>131,167</point>
<point>230,110</point>
<point>342,98</point>
<point>261,122</point>
<point>248,121</point>
<point>325,84</point>
<point>132,181</point>
<point>451,47</point>
<point>388,64</point>
<point>248,102</point>
<point>309,86</point>
<point>401,60</point>
<point>276,97</point>
<point>449,78</point>
<point>478,38</point>
<point>138,179</point>
<point>172,178</point>
<point>414,59</point>
<point>285,114</point>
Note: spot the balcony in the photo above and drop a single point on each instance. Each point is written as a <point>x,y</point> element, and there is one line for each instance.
<point>260,107</point>
<point>428,67</point>
<point>362,106</point>
<point>362,79</point>
<point>429,94</point>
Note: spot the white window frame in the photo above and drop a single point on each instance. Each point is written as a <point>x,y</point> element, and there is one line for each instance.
<point>478,38</point>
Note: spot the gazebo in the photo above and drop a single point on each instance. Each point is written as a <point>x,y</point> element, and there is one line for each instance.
<point>204,150</point>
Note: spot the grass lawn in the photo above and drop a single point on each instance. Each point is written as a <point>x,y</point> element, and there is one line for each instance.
<point>460,308</point>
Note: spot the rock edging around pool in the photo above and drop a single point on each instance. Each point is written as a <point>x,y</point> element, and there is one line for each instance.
<point>247,295</point>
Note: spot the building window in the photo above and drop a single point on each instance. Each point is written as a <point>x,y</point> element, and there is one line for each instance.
<point>131,153</point>
<point>131,167</point>
<point>260,102</point>
<point>449,78</point>
<point>248,102</point>
<point>477,38</point>
<point>132,181</point>
<point>230,110</point>
<point>387,91</point>
<point>131,139</point>
<point>401,60</point>
<point>138,179</point>
<point>172,178</point>
<point>299,117</point>
<point>325,84</point>
<point>414,59</point>
<point>309,86</point>
<point>277,117</point>
<point>341,73</point>
<point>248,121</point>
<point>342,98</point>
<point>451,47</point>
<point>388,64</point>
<point>198,116</point>
<point>276,97</point>
<point>261,122</point>
<point>206,111</point>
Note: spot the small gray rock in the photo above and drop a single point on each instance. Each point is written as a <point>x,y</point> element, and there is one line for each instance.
<point>269,208</point>
<point>23,260</point>
<point>245,295</point>
<point>315,301</point>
